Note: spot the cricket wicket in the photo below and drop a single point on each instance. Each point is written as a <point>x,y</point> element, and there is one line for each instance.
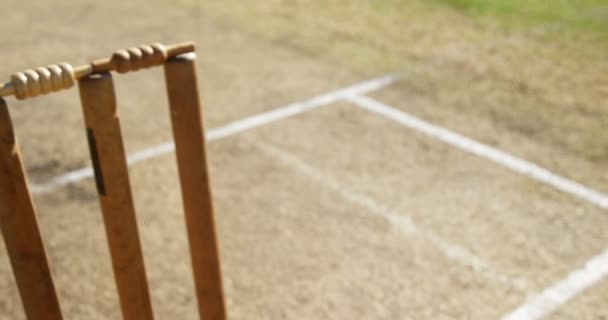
<point>18,222</point>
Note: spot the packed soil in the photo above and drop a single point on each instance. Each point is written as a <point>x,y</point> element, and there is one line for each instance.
<point>336,213</point>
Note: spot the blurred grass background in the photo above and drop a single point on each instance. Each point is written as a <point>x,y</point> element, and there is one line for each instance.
<point>535,68</point>
<point>410,29</point>
<point>586,15</point>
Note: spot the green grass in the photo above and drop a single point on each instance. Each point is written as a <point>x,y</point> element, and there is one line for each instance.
<point>590,15</point>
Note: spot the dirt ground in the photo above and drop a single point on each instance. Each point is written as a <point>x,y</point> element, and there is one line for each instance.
<point>336,213</point>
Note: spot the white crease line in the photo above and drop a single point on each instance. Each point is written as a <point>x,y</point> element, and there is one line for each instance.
<point>227,130</point>
<point>579,280</point>
<point>518,165</point>
<point>403,222</point>
<point>553,297</point>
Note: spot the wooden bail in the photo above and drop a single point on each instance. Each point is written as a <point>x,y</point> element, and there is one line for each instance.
<point>20,230</point>
<point>190,147</point>
<point>112,177</point>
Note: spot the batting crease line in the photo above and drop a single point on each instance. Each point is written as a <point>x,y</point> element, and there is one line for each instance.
<point>484,151</point>
<point>558,294</point>
<point>227,130</point>
<point>577,281</point>
<point>402,222</point>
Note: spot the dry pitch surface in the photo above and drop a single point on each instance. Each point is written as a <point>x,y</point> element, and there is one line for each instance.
<point>335,213</point>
